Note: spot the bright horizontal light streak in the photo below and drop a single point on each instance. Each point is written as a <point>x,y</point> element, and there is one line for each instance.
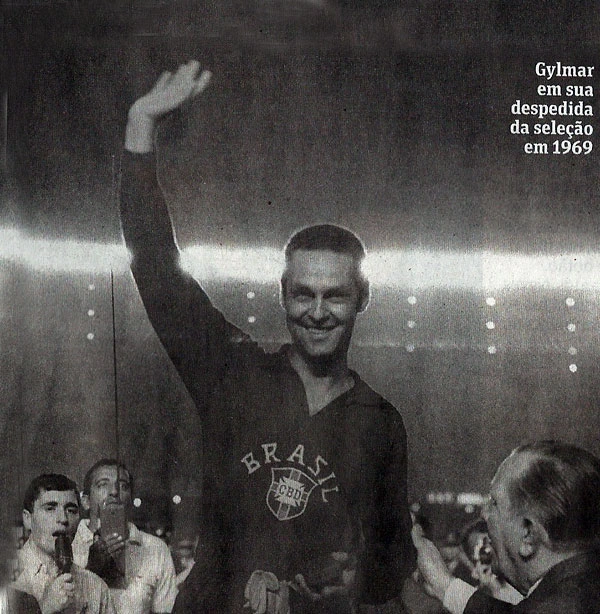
<point>470,498</point>
<point>259,265</point>
<point>414,269</point>
<point>60,255</point>
<point>476,270</point>
<point>422,269</point>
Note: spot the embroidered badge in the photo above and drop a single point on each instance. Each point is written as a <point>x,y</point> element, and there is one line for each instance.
<point>288,493</point>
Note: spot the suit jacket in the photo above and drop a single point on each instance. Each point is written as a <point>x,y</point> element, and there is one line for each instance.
<point>571,587</point>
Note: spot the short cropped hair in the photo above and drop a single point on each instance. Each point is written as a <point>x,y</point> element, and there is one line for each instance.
<point>560,487</point>
<point>332,238</point>
<point>44,483</point>
<point>105,462</point>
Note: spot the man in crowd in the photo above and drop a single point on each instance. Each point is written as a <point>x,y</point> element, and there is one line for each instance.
<point>12,600</point>
<point>304,473</point>
<point>51,509</point>
<point>543,517</point>
<point>138,565</point>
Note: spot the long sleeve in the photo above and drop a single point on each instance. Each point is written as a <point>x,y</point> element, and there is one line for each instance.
<point>480,603</point>
<point>462,598</point>
<point>166,588</point>
<point>390,557</point>
<point>457,596</point>
<point>198,339</point>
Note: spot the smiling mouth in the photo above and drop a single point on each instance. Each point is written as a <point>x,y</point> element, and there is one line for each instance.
<point>319,332</point>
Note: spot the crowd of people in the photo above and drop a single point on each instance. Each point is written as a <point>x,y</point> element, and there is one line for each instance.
<point>102,563</point>
<point>304,494</point>
<point>536,548</point>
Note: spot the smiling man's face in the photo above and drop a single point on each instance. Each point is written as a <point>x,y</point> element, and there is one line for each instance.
<point>321,300</point>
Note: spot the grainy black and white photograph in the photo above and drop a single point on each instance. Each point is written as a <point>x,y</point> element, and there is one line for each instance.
<point>299,307</point>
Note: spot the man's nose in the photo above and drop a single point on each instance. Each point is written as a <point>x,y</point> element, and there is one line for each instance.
<point>62,517</point>
<point>318,309</point>
<point>114,489</point>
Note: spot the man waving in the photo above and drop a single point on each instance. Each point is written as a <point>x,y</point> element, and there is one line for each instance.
<point>304,473</point>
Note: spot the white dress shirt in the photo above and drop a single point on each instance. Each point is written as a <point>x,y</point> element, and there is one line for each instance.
<point>150,573</point>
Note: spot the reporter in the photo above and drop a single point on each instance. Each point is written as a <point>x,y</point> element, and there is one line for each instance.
<point>50,509</point>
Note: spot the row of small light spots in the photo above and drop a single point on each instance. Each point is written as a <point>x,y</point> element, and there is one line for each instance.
<point>570,302</point>
<point>137,502</point>
<point>470,501</point>
<point>441,498</point>
<point>490,301</point>
<point>91,313</point>
<point>251,295</point>
<point>491,325</point>
<point>411,300</point>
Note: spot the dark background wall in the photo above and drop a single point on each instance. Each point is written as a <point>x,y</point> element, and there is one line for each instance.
<point>392,119</point>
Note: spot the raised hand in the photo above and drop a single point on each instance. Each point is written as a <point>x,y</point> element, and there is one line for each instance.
<point>110,546</point>
<point>105,557</point>
<point>431,564</point>
<point>170,92</point>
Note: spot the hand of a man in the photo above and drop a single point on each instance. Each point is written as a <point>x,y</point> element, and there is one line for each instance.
<point>486,578</point>
<point>342,571</point>
<point>104,558</point>
<point>113,544</point>
<point>431,564</point>
<point>104,549</point>
<point>58,594</point>
<point>170,92</point>
<point>264,594</point>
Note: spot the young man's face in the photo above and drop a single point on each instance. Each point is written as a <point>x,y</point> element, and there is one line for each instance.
<point>321,300</point>
<point>54,512</point>
<point>108,485</point>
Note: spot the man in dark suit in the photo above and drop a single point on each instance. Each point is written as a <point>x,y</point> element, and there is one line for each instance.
<point>543,516</point>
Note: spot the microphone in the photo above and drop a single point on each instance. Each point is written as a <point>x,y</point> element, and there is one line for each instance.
<point>63,553</point>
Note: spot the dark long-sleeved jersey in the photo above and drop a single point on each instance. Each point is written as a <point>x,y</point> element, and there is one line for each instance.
<point>281,489</point>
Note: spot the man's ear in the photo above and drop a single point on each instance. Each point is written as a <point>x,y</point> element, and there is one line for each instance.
<point>365,296</point>
<point>27,520</point>
<point>533,535</point>
<point>282,294</point>
<point>85,502</point>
